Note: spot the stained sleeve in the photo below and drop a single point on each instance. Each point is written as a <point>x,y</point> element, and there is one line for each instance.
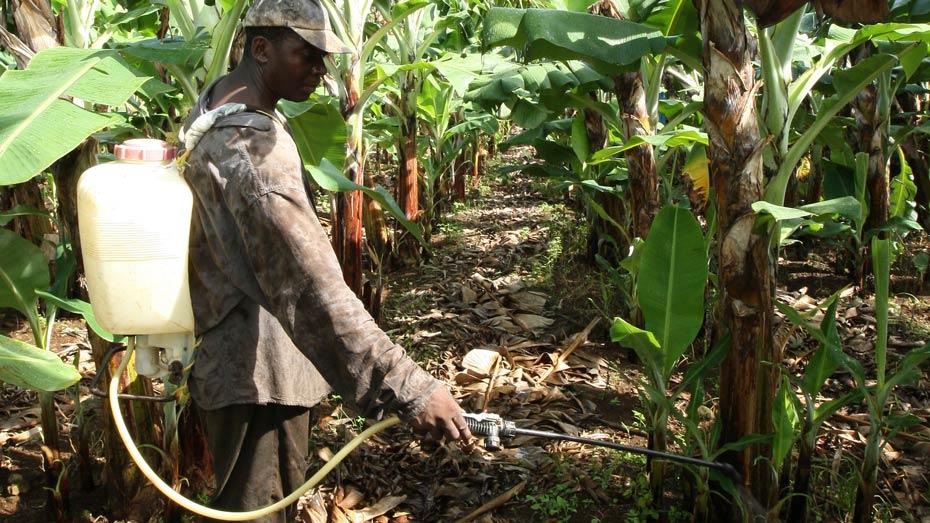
<point>302,284</point>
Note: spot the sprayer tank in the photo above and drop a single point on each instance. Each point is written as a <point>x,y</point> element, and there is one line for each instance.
<point>134,221</point>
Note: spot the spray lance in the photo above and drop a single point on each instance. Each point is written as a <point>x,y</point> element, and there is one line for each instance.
<point>493,429</point>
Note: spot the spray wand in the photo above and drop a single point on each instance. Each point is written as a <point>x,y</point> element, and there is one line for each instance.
<point>493,429</point>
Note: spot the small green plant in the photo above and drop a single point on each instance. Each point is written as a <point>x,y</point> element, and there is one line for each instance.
<point>670,291</point>
<point>556,503</point>
<point>798,416</point>
<point>639,492</point>
<point>453,230</point>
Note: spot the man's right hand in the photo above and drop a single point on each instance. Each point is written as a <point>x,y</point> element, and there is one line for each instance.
<point>442,417</point>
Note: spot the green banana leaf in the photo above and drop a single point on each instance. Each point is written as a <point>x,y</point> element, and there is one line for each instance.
<point>460,71</point>
<point>607,44</point>
<point>823,363</point>
<point>319,131</point>
<point>784,420</point>
<point>579,138</point>
<point>672,277</point>
<point>643,342</point>
<point>677,138</point>
<point>170,51</point>
<point>23,269</point>
<point>680,21</point>
<point>20,210</point>
<point>513,83</point>
<point>85,310</point>
<point>330,178</point>
<point>787,220</point>
<point>32,368</point>
<point>903,189</point>
<point>37,126</point>
<point>848,83</point>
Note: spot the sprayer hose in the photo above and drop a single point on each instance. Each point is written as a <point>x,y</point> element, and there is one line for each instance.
<point>224,515</point>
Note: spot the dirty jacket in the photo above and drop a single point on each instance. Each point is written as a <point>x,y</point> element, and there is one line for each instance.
<point>276,322</point>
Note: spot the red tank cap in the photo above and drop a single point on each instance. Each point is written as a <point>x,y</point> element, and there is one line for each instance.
<point>145,150</point>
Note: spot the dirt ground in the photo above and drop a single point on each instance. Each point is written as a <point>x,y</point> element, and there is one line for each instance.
<point>500,311</point>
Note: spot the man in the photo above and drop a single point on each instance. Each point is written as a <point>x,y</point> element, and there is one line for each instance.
<point>279,328</point>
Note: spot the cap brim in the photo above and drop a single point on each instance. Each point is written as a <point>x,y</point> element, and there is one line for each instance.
<point>323,39</point>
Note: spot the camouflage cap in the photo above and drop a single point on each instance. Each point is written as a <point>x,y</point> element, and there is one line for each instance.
<point>306,17</point>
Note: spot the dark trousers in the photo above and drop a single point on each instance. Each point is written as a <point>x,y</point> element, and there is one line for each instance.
<point>259,455</point>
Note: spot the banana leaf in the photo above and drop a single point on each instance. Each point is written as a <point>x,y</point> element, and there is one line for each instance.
<point>671,282</point>
<point>38,126</point>
<point>23,269</point>
<point>319,131</point>
<point>330,178</point>
<point>609,45</point>
<point>32,368</point>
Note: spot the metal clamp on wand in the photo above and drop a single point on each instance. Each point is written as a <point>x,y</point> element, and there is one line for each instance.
<point>491,427</point>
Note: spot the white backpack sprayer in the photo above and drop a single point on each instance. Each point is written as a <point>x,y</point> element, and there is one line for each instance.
<point>134,217</point>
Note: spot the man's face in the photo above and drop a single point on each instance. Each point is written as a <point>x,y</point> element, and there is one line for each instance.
<point>295,69</point>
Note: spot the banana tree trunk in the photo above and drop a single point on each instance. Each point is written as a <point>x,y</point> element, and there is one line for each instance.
<point>380,244</point>
<point>871,140</point>
<point>798,510</point>
<point>29,193</point>
<point>36,24</point>
<point>868,477</point>
<point>477,157</point>
<point>125,485</point>
<point>606,238</point>
<point>67,170</point>
<point>644,181</point>
<point>347,211</point>
<point>56,474</point>
<point>746,270</point>
<point>815,184</point>
<point>658,441</point>
<point>376,228</point>
<point>408,196</point>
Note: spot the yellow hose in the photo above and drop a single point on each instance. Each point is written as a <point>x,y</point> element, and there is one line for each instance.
<point>224,515</point>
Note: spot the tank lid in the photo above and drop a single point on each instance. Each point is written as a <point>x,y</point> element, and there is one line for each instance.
<point>145,150</point>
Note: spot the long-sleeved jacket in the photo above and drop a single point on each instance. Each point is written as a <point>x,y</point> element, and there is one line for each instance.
<point>277,322</point>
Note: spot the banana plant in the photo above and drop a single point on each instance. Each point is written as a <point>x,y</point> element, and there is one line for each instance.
<point>847,84</point>
<point>527,31</point>
<point>877,395</point>
<point>348,73</point>
<point>882,425</point>
<point>24,271</point>
<point>440,106</point>
<point>638,92</point>
<point>409,42</point>
<point>798,415</point>
<point>197,52</point>
<point>670,287</point>
<point>24,279</point>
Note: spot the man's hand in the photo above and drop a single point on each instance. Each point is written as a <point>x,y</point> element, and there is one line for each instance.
<point>442,417</point>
